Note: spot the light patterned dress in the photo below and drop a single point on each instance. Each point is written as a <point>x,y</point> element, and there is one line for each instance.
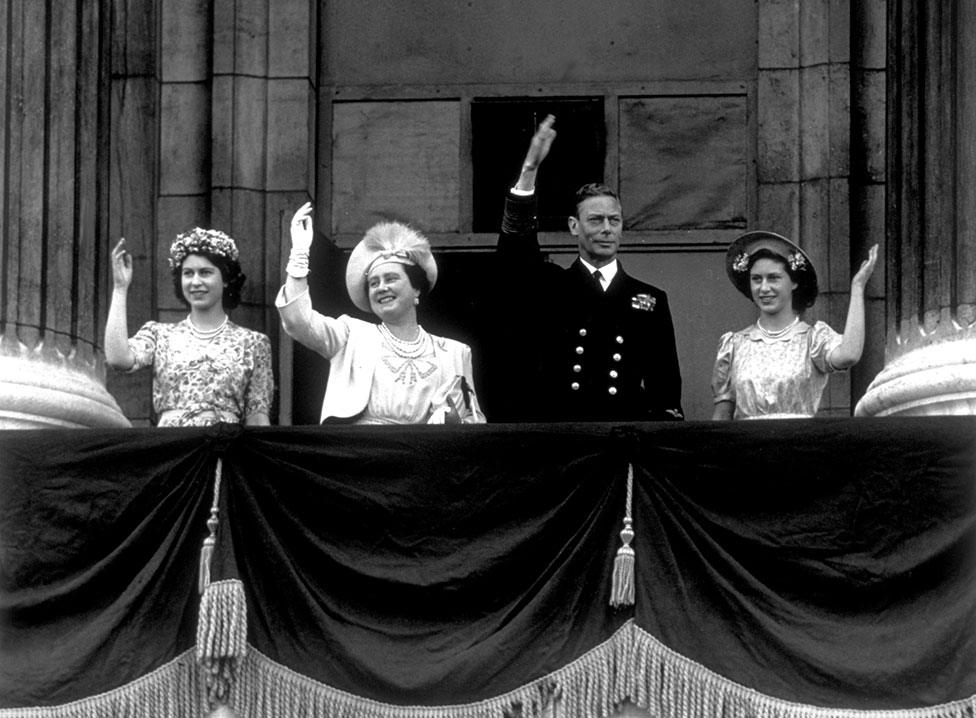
<point>774,377</point>
<point>406,388</point>
<point>196,381</point>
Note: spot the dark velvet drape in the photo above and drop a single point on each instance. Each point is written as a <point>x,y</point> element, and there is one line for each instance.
<point>827,562</point>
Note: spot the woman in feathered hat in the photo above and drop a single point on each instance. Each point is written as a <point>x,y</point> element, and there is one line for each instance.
<point>392,372</point>
<point>206,369</point>
<point>778,367</point>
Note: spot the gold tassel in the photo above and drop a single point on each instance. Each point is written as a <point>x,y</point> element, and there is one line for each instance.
<point>222,622</point>
<point>221,637</point>
<point>622,583</point>
<point>206,553</point>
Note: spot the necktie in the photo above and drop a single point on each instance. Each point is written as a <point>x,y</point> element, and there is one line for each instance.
<point>598,278</point>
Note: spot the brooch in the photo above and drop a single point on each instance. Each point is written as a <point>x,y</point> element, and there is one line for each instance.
<point>644,302</point>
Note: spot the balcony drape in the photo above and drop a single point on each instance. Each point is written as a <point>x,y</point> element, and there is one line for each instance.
<point>807,567</point>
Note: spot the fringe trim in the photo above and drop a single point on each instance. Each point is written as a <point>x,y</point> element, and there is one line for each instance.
<point>589,686</point>
<point>221,636</point>
<point>670,685</point>
<point>632,666</point>
<point>175,690</point>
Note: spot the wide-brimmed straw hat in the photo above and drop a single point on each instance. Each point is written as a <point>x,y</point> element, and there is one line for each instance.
<point>744,246</point>
<point>386,242</point>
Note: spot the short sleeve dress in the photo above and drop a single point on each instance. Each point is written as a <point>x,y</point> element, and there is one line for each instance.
<point>197,381</point>
<point>778,377</point>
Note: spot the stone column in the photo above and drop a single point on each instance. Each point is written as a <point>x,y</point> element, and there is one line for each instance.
<point>263,154</point>
<point>51,168</point>
<point>930,363</point>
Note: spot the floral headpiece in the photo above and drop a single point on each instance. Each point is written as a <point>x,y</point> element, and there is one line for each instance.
<point>741,263</point>
<point>198,240</point>
<point>796,261</point>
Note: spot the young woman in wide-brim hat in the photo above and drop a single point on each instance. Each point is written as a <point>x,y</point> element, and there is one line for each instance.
<point>778,367</point>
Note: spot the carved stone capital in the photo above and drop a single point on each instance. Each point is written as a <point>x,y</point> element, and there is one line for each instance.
<point>44,388</point>
<point>936,375</point>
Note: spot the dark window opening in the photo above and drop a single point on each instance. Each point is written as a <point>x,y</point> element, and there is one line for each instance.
<point>501,129</point>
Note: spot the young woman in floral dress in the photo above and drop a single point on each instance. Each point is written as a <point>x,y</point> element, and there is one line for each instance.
<point>206,369</point>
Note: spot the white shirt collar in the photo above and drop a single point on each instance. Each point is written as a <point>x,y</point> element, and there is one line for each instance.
<point>607,272</point>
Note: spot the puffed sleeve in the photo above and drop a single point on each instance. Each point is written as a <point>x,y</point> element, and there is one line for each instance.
<point>722,372</point>
<point>260,388</point>
<point>143,345</point>
<point>823,340</point>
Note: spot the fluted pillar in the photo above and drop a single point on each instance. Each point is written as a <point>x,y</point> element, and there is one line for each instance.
<point>930,364</point>
<point>50,169</point>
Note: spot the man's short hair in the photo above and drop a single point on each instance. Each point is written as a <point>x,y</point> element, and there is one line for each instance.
<point>593,189</point>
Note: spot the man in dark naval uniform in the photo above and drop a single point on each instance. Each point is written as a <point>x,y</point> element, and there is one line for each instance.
<point>591,343</point>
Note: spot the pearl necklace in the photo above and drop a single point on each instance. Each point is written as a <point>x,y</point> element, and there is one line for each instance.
<point>206,334</point>
<point>776,334</point>
<point>401,347</point>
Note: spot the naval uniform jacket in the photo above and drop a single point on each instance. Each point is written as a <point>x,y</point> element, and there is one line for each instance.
<point>601,355</point>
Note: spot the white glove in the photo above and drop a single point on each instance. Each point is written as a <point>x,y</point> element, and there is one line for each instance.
<point>301,241</point>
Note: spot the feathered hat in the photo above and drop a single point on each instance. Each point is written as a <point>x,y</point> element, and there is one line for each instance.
<point>386,242</point>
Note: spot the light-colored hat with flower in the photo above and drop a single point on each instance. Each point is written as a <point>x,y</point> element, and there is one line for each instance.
<point>199,240</point>
<point>745,245</point>
<point>386,242</point>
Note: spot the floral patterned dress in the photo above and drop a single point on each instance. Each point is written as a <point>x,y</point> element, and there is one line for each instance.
<point>774,377</point>
<point>197,381</point>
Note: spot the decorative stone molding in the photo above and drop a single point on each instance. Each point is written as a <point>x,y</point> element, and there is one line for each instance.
<point>929,372</point>
<point>43,388</point>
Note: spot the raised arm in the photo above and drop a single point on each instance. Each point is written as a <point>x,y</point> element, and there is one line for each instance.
<point>296,281</point>
<point>538,149</point>
<point>517,241</point>
<point>848,352</point>
<point>118,355</point>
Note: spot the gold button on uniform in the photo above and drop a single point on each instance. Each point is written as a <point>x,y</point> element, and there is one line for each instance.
<point>620,340</point>
<point>612,391</point>
<point>577,368</point>
<point>574,386</point>
<point>579,350</point>
<point>582,332</point>
<point>613,373</point>
<point>616,357</point>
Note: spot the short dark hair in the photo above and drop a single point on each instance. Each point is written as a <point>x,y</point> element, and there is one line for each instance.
<point>230,272</point>
<point>593,189</point>
<point>806,290</point>
<point>418,278</point>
